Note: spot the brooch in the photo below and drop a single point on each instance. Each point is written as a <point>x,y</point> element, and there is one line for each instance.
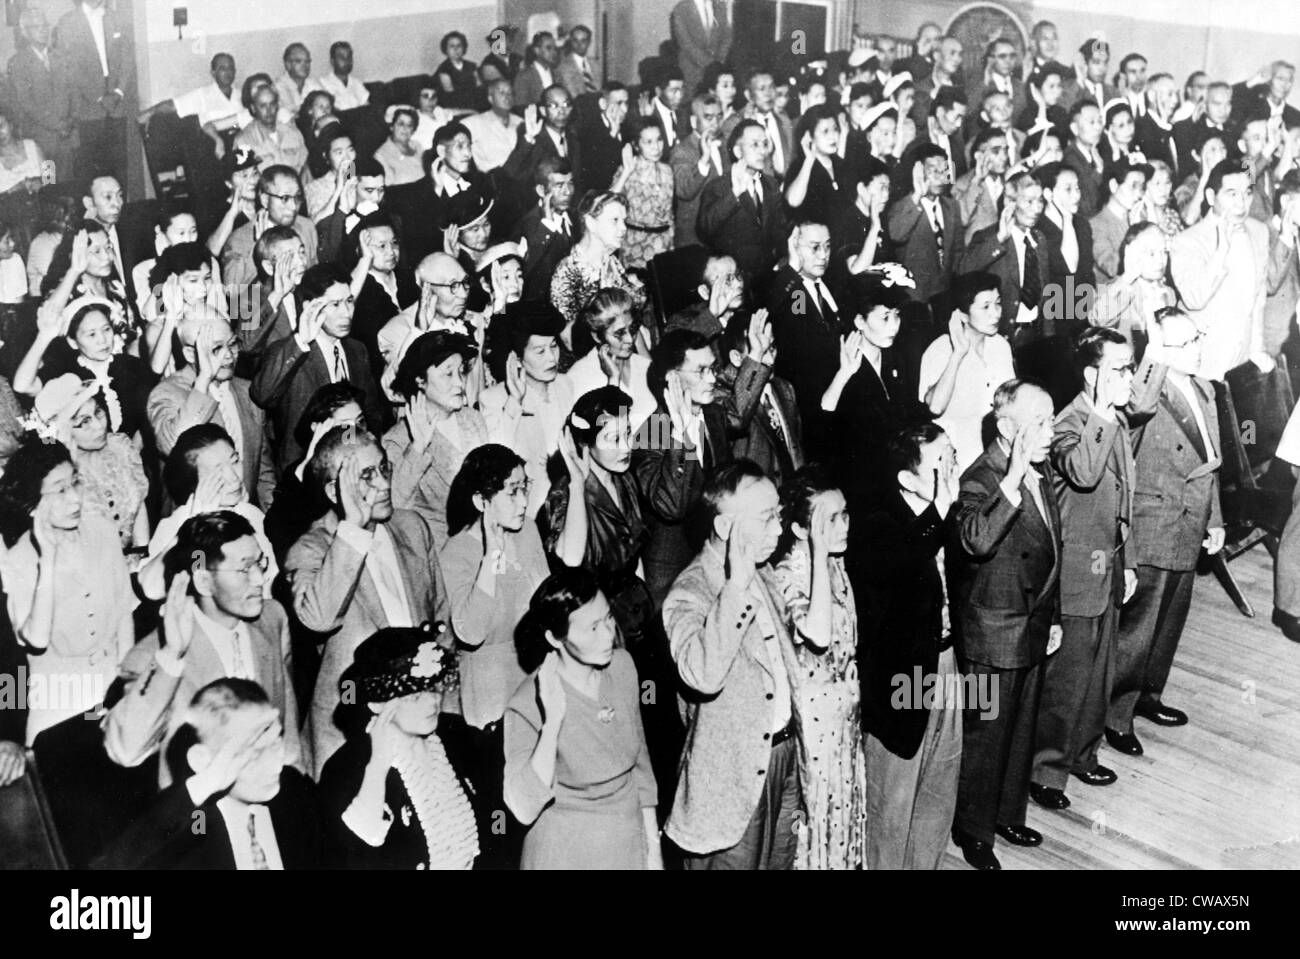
<point>406,816</point>
<point>606,714</point>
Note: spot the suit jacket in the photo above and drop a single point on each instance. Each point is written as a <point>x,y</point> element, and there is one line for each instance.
<point>569,75</point>
<point>1091,184</point>
<point>871,410</point>
<point>1058,271</point>
<point>670,476</point>
<point>602,153</point>
<point>1176,497</point>
<point>732,225</point>
<point>154,702</point>
<point>987,253</point>
<point>698,46</point>
<point>784,130</point>
<point>374,308</point>
<point>1074,91</point>
<point>78,56</point>
<point>1190,135</point>
<point>290,377</point>
<point>1250,103</point>
<point>718,644</point>
<point>1157,143</point>
<point>1108,231</point>
<point>1283,286</point>
<point>237,266</point>
<point>743,392</point>
<point>689,184</point>
<point>901,182</point>
<point>1228,308</point>
<point>914,241</point>
<point>40,96</point>
<point>977,206</point>
<point>892,562</point>
<point>174,407</point>
<point>521,165</point>
<point>1009,569</point>
<point>546,249</point>
<point>334,594</point>
<point>1093,475</point>
<point>166,837</point>
<point>529,86</point>
<point>807,350</point>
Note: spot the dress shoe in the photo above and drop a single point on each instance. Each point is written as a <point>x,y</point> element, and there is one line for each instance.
<point>1290,625</point>
<point>1021,835</point>
<point>1126,743</point>
<point>976,852</point>
<point>1160,714</point>
<point>1097,776</point>
<point>1048,797</point>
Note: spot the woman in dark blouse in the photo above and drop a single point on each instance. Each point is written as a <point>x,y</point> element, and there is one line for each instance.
<point>817,185</point>
<point>457,77</point>
<point>391,797</point>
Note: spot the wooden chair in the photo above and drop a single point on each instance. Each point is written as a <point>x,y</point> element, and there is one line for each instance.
<point>1253,410</point>
<point>672,278</point>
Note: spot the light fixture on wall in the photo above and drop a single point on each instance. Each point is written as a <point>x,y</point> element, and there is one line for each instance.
<point>180,19</point>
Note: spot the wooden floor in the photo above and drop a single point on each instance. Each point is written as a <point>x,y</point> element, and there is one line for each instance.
<point>1220,792</point>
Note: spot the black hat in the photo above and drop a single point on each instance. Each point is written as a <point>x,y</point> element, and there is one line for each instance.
<point>240,158</point>
<point>398,661</point>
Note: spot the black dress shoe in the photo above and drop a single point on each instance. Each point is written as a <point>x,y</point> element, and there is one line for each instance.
<point>1126,743</point>
<point>1098,776</point>
<point>1021,835</point>
<point>1160,714</point>
<point>977,852</point>
<point>1290,625</point>
<point>1048,797</point>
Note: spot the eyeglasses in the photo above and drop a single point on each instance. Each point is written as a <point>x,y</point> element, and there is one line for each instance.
<point>286,197</point>
<point>459,285</point>
<point>704,372</point>
<point>384,469</point>
<point>261,564</point>
<point>1186,343</point>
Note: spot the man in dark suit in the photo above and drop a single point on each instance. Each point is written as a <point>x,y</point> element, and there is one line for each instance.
<point>1069,248</point>
<point>1090,82</point>
<point>256,812</point>
<point>40,93</point>
<point>13,721</point>
<point>1265,95</point>
<point>697,160</point>
<point>978,191</point>
<point>599,125</point>
<point>1176,513</point>
<point>532,80</point>
<point>920,63</point>
<point>741,215</point>
<point>1015,251</point>
<point>1154,130</point>
<point>1082,157</point>
<point>320,351</point>
<point>547,228</point>
<point>760,91</point>
<point>1007,591</point>
<point>999,73</point>
<point>895,564</point>
<point>206,390</point>
<point>674,449</point>
<point>762,409</point>
<point>946,59</point>
<point>806,323</point>
<point>333,230</point>
<point>702,32</point>
<point>388,287</point>
<point>925,226</point>
<point>545,133</point>
<point>95,54</point>
<point>1093,476</point>
<point>1190,134</point>
<point>942,128</point>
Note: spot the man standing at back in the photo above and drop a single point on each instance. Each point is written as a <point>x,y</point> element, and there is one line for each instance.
<point>99,67</point>
<point>702,31</point>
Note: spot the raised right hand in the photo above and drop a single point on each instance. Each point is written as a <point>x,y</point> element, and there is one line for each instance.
<point>532,122</point>
<point>741,565</point>
<point>178,616</point>
<point>577,463</point>
<point>203,358</point>
<point>80,253</point>
<point>851,352</point>
<point>1020,461</point>
<point>959,333</point>
<point>385,737</point>
<point>679,407</point>
<point>550,691</point>
<point>357,507</point>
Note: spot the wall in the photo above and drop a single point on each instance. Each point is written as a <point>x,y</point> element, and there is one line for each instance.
<point>392,38</point>
<point>1177,36</point>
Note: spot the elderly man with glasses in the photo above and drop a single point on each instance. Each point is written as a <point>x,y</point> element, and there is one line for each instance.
<point>279,198</point>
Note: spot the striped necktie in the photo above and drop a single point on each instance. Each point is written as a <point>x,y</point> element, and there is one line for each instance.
<point>259,854</point>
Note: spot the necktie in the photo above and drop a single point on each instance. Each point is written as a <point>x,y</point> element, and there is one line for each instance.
<point>1031,287</point>
<point>774,134</point>
<point>1185,413</point>
<point>259,854</point>
<point>774,418</point>
<point>936,224</point>
<point>564,147</point>
<point>1036,494</point>
<point>587,83</point>
<point>756,191</point>
<point>237,658</point>
<point>823,305</point>
<point>340,371</point>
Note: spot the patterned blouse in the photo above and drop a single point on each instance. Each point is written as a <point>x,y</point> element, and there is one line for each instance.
<point>113,481</point>
<point>576,281</point>
<point>649,192</point>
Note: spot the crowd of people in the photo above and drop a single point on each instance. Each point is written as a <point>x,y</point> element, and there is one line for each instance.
<point>744,470</point>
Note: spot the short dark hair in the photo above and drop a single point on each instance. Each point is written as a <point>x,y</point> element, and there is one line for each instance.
<point>316,282</point>
<point>1091,342</point>
<point>181,472</point>
<point>511,330</point>
<point>324,403</point>
<point>430,349</point>
<point>484,473</point>
<point>450,36</point>
<point>968,286</point>
<point>905,447</point>
<point>592,408</point>
<point>20,485</point>
<point>669,354</point>
<point>338,45</point>
<point>204,536</point>
<point>274,172</point>
<point>177,259</point>
<point>986,135</point>
<point>550,166</point>
<point>564,591</point>
<point>1080,105</point>
<point>739,132</point>
<point>448,132</point>
<point>368,166</point>
<point>1225,168</point>
<point>797,494</point>
<point>1131,235</point>
<point>723,481</point>
<point>947,98</point>
<point>1129,58</point>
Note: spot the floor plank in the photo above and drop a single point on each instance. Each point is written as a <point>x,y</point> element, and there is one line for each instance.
<point>1221,792</point>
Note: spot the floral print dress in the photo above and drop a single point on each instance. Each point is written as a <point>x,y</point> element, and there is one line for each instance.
<point>649,192</point>
<point>835,834</point>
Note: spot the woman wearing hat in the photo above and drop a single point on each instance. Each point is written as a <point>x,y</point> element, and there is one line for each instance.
<point>399,155</point>
<point>467,234</point>
<point>108,464</point>
<point>68,588</point>
<point>241,172</point>
<point>390,793</point>
<point>577,767</point>
<point>428,445</point>
<point>87,337</point>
